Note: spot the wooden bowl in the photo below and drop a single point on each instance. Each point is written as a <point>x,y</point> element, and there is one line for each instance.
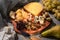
<point>30,31</point>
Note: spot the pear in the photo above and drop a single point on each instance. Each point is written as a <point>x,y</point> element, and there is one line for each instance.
<point>54,31</point>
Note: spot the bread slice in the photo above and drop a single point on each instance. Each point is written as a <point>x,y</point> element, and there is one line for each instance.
<point>34,7</point>
<point>24,14</point>
<point>19,15</point>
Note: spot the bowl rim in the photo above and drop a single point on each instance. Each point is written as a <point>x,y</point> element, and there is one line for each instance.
<point>29,32</point>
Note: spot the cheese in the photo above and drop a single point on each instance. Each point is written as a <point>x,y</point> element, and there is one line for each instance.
<point>34,8</point>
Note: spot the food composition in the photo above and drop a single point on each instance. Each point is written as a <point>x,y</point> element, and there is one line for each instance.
<point>31,18</point>
<point>34,18</point>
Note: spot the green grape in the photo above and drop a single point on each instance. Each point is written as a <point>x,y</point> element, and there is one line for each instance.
<point>47,4</point>
<point>54,2</point>
<point>48,19</point>
<point>53,5</point>
<point>56,11</point>
<point>49,7</point>
<point>48,0</point>
<point>46,14</point>
<point>55,14</point>
<point>58,2</point>
<point>58,7</point>
<point>44,2</point>
<point>45,8</point>
<point>53,10</point>
<point>58,16</point>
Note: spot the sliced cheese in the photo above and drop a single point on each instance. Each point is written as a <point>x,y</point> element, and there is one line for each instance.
<point>34,7</point>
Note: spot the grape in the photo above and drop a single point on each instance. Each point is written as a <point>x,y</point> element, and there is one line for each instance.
<point>55,14</point>
<point>49,1</point>
<point>53,10</point>
<point>49,19</point>
<point>58,2</point>
<point>47,4</point>
<point>43,1</point>
<point>58,7</point>
<point>49,7</point>
<point>54,2</point>
<point>58,16</point>
<point>44,16</point>
<point>56,11</point>
<point>46,13</point>
<point>53,6</point>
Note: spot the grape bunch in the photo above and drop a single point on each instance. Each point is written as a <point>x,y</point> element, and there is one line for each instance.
<point>53,6</point>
